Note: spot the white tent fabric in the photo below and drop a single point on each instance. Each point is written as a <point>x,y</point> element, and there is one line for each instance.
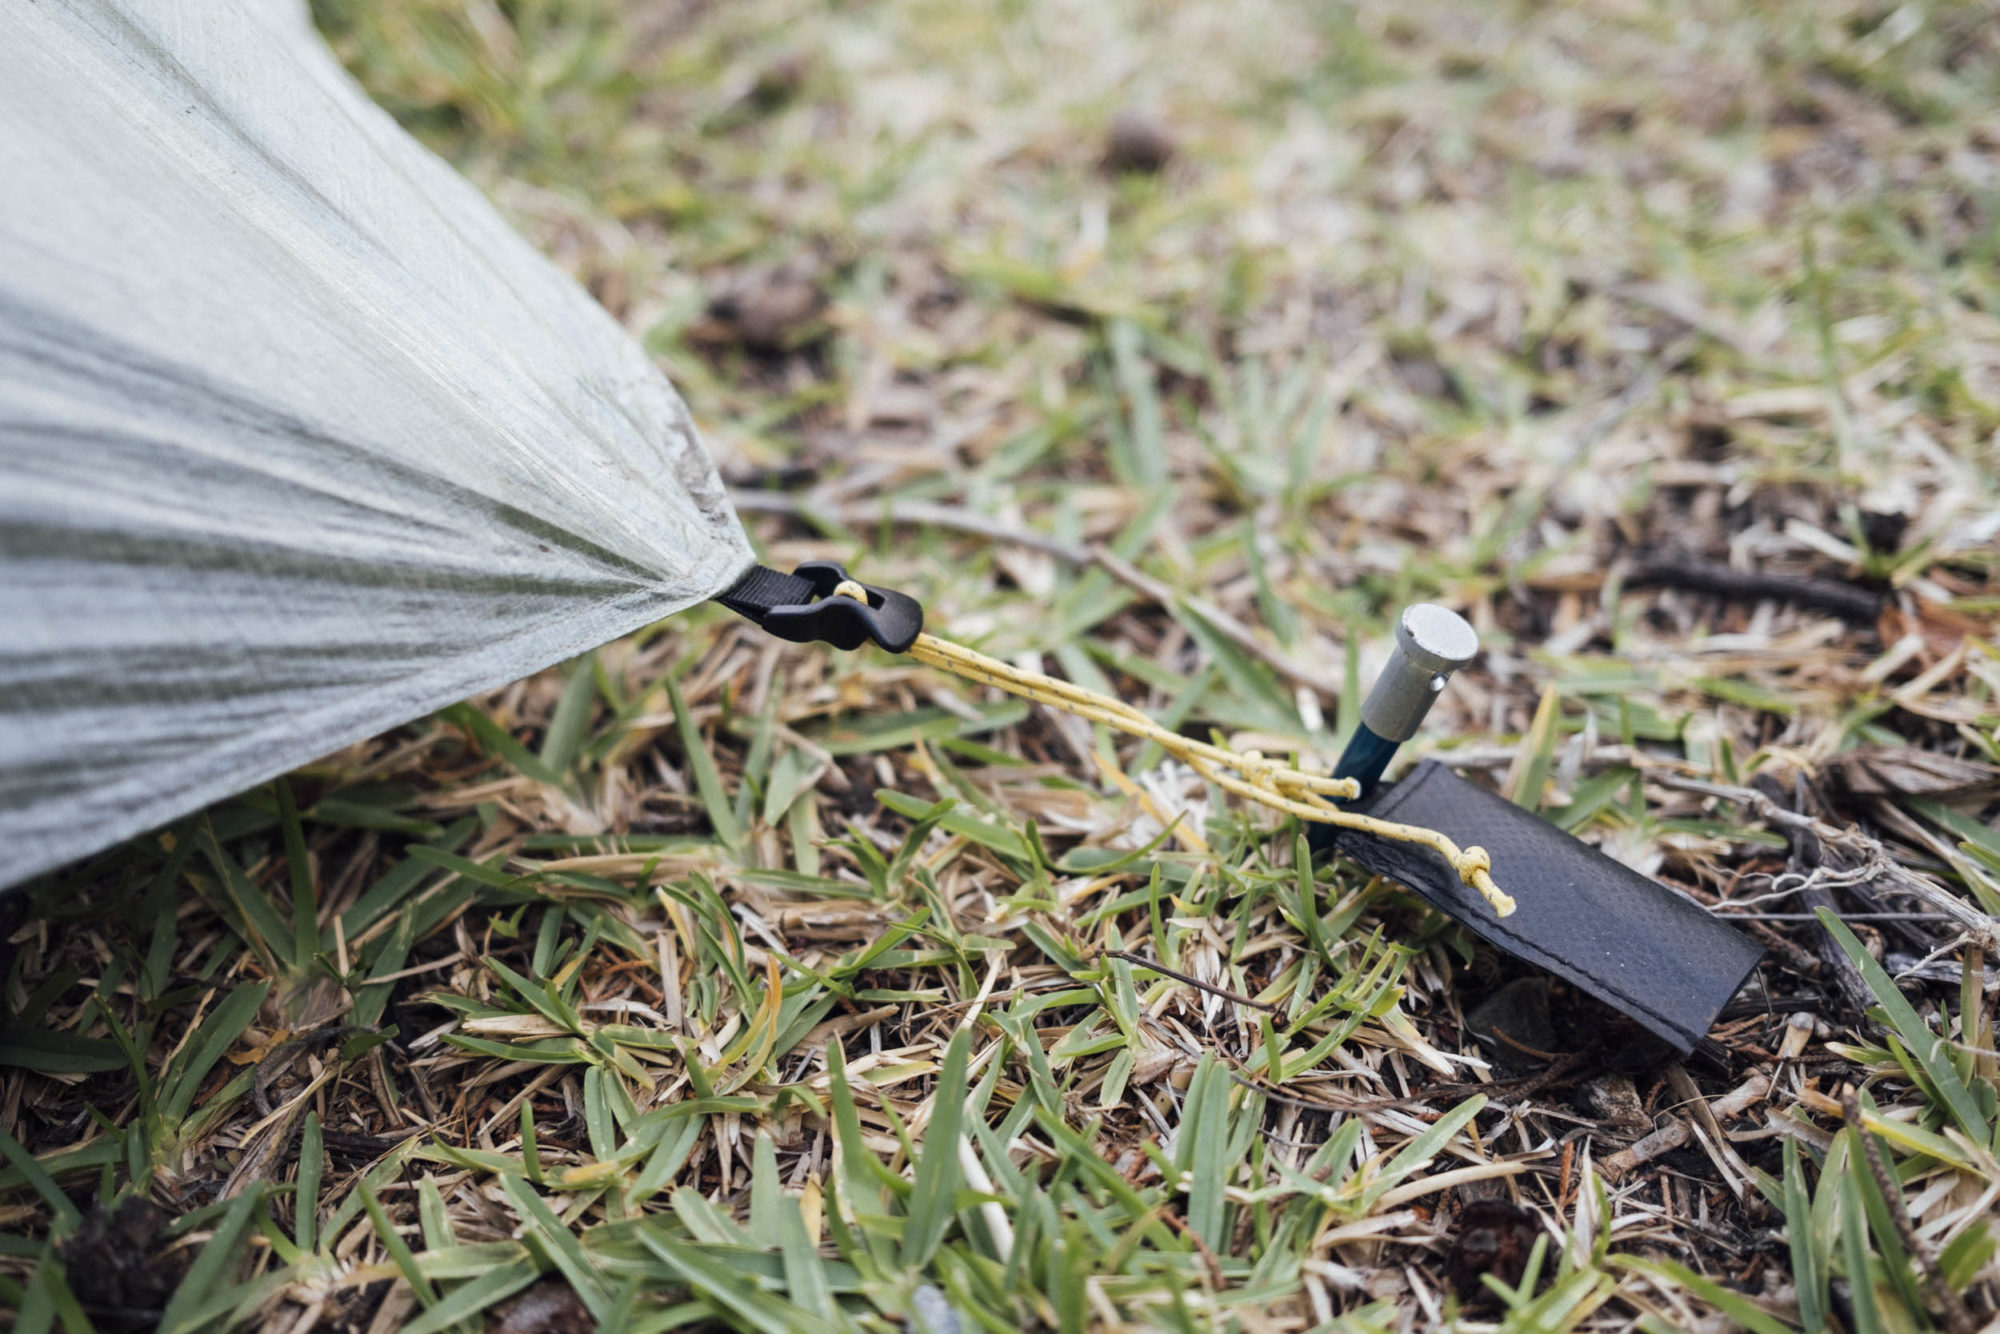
<point>298,440</point>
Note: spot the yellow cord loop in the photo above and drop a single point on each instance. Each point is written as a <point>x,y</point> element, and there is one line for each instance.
<point>1246,774</point>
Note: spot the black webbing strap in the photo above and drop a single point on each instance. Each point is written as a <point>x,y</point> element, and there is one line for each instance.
<point>804,608</point>
<point>765,589</point>
<point>1625,938</point>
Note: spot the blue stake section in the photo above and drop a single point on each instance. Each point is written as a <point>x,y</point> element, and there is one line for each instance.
<point>1431,643</point>
<point>1366,756</point>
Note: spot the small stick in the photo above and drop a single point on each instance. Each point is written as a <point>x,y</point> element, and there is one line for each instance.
<point>1669,1136</point>
<point>1956,1318</point>
<point>1524,1048</point>
<point>1523,1087</point>
<point>1209,1260</point>
<point>1226,625</point>
<point>1814,917</point>
<point>1860,848</point>
<point>1199,985</point>
<point>1848,602</point>
<point>921,513</point>
<point>1807,855</point>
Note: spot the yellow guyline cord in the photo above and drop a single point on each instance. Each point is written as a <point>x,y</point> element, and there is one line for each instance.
<point>1247,774</point>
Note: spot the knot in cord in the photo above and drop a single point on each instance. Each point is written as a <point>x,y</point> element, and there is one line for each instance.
<point>1247,774</point>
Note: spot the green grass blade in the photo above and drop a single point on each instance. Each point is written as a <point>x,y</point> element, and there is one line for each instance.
<point>756,776</point>
<point>1139,453</point>
<point>966,825</point>
<point>1732,1304</point>
<point>312,1162</point>
<point>561,1247</point>
<point>542,999</point>
<point>728,1290</point>
<point>305,902</point>
<point>666,1160</point>
<point>373,998</point>
<point>269,933</point>
<point>468,1300</point>
<point>1423,1148</point>
<point>564,737</point>
<point>1854,1245</point>
<point>707,779</point>
<point>399,1250</point>
<point>217,1034</point>
<point>401,881</point>
<point>67,1216</point>
<point>501,744</point>
<point>201,1287</point>
<point>49,1298</point>
<point>1201,1150</point>
<point>1930,1050</point>
<point>775,1220</point>
<point>50,1052</point>
<point>1537,751</point>
<point>435,1223</point>
<point>938,1172</point>
<point>378,1176</point>
<point>1966,1254</point>
<point>1807,1275</point>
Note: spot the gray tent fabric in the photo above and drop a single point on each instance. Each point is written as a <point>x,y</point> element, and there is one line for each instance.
<point>298,440</point>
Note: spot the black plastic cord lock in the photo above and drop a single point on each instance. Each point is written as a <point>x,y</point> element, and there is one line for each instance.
<point>803,608</point>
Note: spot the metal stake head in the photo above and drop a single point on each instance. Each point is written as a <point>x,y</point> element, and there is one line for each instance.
<point>1432,642</point>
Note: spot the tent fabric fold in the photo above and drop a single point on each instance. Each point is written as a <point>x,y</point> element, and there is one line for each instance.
<point>298,439</point>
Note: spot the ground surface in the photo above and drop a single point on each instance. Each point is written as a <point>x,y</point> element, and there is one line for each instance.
<point>656,990</point>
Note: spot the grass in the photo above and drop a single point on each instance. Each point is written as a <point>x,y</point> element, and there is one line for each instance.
<point>707,980</point>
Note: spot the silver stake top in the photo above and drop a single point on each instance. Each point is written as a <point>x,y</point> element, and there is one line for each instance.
<point>1437,639</point>
<point>1432,642</point>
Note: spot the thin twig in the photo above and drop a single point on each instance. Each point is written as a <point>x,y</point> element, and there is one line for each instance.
<point>1808,858</point>
<point>1525,1086</point>
<point>1668,1137</point>
<point>1956,1318</point>
<point>1719,911</point>
<point>1226,625</point>
<point>920,513</point>
<point>1848,602</point>
<point>1208,1256</point>
<point>1523,1047</point>
<point>1199,985</point>
<point>1887,871</point>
